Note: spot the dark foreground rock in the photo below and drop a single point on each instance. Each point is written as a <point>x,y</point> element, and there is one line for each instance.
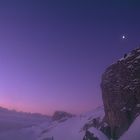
<point>121,93</point>
<point>89,136</point>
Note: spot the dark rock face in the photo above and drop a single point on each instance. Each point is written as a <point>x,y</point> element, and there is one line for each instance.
<point>121,93</point>
<point>59,115</point>
<point>89,136</point>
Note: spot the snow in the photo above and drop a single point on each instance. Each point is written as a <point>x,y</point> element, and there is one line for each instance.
<point>67,130</point>
<point>72,128</point>
<point>98,134</point>
<point>24,126</point>
<point>128,56</point>
<point>22,134</point>
<point>14,126</point>
<point>130,67</point>
<point>138,57</point>
<point>105,124</point>
<point>123,109</point>
<point>138,105</point>
<point>126,87</point>
<point>133,132</point>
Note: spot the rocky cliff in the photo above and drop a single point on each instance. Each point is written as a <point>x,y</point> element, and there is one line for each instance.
<point>121,93</point>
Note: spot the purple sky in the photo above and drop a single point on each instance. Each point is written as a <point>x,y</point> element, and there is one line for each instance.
<point>52,53</point>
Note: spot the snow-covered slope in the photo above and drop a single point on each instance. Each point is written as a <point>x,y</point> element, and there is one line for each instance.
<point>133,132</point>
<point>72,129</point>
<point>24,126</point>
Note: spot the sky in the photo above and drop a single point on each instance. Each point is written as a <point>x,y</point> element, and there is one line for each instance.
<point>53,53</point>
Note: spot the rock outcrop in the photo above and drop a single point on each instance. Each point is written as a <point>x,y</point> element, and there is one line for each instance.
<point>61,115</point>
<point>121,93</point>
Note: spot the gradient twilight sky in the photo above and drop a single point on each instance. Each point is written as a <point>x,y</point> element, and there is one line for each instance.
<point>53,52</point>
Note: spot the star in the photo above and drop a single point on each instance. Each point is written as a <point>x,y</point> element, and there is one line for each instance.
<point>123,37</point>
